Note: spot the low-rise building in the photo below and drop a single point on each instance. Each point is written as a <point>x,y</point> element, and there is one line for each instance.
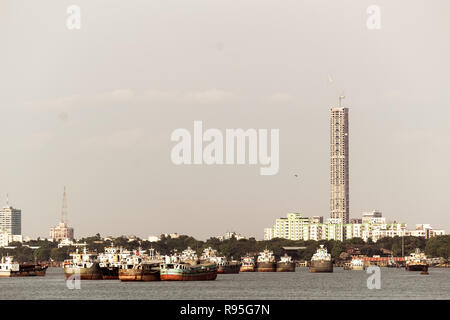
<point>374,216</point>
<point>61,231</point>
<point>230,235</point>
<point>425,231</point>
<point>15,238</point>
<point>70,243</point>
<point>154,238</point>
<point>172,235</point>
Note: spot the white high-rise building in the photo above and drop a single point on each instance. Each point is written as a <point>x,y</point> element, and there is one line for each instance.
<point>11,219</point>
<point>4,238</point>
<point>339,167</point>
<point>295,227</point>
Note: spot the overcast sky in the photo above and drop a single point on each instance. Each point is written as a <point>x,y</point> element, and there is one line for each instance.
<point>93,109</point>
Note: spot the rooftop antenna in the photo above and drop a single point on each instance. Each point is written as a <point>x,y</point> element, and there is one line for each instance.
<point>342,96</point>
<point>64,207</point>
<point>7,200</point>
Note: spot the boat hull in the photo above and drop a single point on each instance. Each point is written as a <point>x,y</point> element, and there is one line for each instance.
<point>318,266</point>
<point>247,268</point>
<point>92,273</point>
<point>188,277</point>
<point>358,268</point>
<point>5,274</point>
<point>266,267</point>
<point>230,268</point>
<point>26,270</point>
<point>138,275</point>
<point>286,267</point>
<point>199,273</point>
<point>417,267</point>
<point>109,273</point>
<point>41,270</point>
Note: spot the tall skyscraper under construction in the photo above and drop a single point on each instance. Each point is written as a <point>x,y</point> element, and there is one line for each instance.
<point>339,153</point>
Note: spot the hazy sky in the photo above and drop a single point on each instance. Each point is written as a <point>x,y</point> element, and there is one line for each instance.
<point>93,109</point>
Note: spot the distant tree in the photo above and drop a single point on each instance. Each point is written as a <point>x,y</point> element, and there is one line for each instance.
<point>337,249</point>
<point>434,247</point>
<point>438,247</point>
<point>59,254</point>
<point>42,254</point>
<point>306,254</point>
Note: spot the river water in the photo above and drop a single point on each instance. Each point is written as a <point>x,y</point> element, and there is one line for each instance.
<point>341,284</point>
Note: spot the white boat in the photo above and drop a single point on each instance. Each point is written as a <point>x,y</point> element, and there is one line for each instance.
<point>8,267</point>
<point>266,262</point>
<point>286,264</point>
<point>110,262</point>
<point>248,264</point>
<point>83,265</point>
<point>189,256</point>
<point>140,267</point>
<point>417,261</point>
<point>321,261</point>
<point>208,255</point>
<point>357,264</point>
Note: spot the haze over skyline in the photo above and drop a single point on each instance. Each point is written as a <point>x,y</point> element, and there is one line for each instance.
<point>93,109</point>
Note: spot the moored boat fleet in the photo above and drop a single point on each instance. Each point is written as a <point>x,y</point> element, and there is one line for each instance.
<point>139,265</point>
<point>116,263</point>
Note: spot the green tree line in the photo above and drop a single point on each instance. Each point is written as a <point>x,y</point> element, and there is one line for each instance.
<point>233,248</point>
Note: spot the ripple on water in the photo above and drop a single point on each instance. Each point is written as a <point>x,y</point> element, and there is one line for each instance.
<point>341,284</point>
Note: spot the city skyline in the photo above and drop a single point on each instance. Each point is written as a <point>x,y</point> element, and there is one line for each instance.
<point>94,109</point>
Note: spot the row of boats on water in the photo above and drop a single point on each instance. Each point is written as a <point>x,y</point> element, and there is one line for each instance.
<point>11,268</point>
<point>416,261</point>
<point>116,263</point>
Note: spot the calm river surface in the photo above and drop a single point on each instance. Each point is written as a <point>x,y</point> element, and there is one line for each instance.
<point>341,284</point>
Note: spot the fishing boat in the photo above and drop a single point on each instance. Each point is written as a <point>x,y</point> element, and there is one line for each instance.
<point>189,256</point>
<point>208,254</point>
<point>357,264</point>
<point>266,262</point>
<point>110,262</point>
<point>224,266</point>
<point>140,267</point>
<point>11,268</point>
<point>286,264</point>
<point>82,265</point>
<point>417,261</point>
<point>248,264</point>
<point>321,261</point>
<point>175,269</point>
<point>8,267</point>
